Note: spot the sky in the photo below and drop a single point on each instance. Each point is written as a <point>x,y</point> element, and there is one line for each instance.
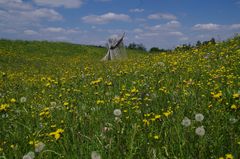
<point>154,23</point>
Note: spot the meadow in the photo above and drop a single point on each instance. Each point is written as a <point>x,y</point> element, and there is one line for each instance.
<point>58,100</point>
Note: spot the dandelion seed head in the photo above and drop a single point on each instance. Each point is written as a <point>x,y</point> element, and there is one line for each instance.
<point>29,155</point>
<point>39,147</point>
<point>200,131</point>
<point>95,155</point>
<point>23,99</point>
<point>186,122</point>
<point>199,117</point>
<point>117,112</point>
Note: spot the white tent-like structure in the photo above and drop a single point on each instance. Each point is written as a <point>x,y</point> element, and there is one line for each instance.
<point>116,49</point>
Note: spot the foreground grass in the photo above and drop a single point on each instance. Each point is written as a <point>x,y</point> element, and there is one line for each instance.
<point>61,98</point>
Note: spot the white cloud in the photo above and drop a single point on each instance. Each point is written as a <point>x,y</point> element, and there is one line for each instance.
<point>60,30</point>
<point>156,27</point>
<point>165,16</point>
<point>173,23</point>
<point>30,32</point>
<point>60,3</point>
<point>137,30</point>
<point>137,10</point>
<point>54,29</point>
<point>15,4</point>
<point>235,26</point>
<point>209,26</point>
<point>105,18</point>
<point>48,14</point>
<point>176,33</point>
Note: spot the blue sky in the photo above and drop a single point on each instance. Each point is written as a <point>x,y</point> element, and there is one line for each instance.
<point>154,23</point>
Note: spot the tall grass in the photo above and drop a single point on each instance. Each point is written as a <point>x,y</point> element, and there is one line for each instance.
<point>61,96</point>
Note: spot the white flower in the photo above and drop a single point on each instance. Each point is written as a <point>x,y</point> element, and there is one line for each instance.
<point>95,155</point>
<point>23,99</point>
<point>117,112</point>
<point>29,155</point>
<point>186,122</point>
<point>199,117</point>
<point>39,147</point>
<point>200,131</point>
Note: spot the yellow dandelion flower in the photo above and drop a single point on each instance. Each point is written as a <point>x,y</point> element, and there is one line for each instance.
<point>146,122</point>
<point>229,156</point>
<point>100,102</point>
<point>167,113</point>
<point>4,107</point>
<point>156,137</point>
<point>134,90</point>
<point>236,95</point>
<point>217,95</point>
<point>65,103</point>
<point>13,100</point>
<point>57,133</point>
<point>234,107</point>
<point>157,116</point>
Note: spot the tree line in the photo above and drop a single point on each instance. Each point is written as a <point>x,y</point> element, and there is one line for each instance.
<point>182,47</point>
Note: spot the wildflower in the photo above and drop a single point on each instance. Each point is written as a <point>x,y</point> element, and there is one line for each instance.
<point>236,95</point>
<point>57,133</point>
<point>200,131</point>
<point>156,137</point>
<point>146,122</point>
<point>186,122</point>
<point>100,102</point>
<point>134,90</point>
<point>229,156</point>
<point>157,116</point>
<point>39,147</point>
<point>216,96</point>
<point>167,113</point>
<point>29,155</point>
<point>4,107</point>
<point>65,103</point>
<point>234,107</point>
<point>199,117</point>
<point>117,112</point>
<point>23,99</point>
<point>95,155</point>
<point>13,100</point>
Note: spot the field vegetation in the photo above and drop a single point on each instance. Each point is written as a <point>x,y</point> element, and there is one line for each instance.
<point>58,100</point>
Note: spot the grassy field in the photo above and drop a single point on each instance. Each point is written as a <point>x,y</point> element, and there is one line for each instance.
<point>58,100</point>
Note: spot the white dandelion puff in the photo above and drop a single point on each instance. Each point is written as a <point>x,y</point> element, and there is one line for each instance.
<point>200,131</point>
<point>23,99</point>
<point>117,112</point>
<point>95,155</point>
<point>39,147</point>
<point>199,117</point>
<point>29,155</point>
<point>186,122</point>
